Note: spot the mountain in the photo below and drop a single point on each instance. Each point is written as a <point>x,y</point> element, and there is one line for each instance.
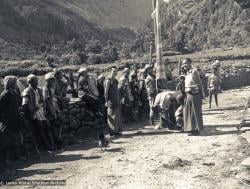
<point>33,21</point>
<point>205,24</point>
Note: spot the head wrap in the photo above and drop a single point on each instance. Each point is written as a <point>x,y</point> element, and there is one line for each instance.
<point>148,68</point>
<point>125,70</point>
<point>49,76</point>
<point>31,77</point>
<point>82,70</point>
<point>216,64</point>
<point>100,77</point>
<point>9,82</point>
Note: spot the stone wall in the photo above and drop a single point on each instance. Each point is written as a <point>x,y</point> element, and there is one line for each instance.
<point>236,80</point>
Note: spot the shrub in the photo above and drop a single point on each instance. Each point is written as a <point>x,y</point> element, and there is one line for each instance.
<point>94,59</point>
<point>109,54</point>
<point>93,46</point>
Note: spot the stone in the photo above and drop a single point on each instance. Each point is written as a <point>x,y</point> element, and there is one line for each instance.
<point>246,162</point>
<point>175,162</point>
<point>208,163</point>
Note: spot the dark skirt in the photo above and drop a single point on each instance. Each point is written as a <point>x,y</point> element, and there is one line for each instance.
<point>192,112</point>
<point>114,119</point>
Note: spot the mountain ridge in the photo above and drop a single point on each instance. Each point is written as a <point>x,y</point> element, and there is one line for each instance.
<point>33,21</point>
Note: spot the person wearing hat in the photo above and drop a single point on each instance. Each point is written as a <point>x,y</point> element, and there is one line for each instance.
<point>213,85</point>
<point>193,120</point>
<point>51,107</point>
<point>10,120</point>
<point>151,90</point>
<point>32,106</point>
<point>126,95</point>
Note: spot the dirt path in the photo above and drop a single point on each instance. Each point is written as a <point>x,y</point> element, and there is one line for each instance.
<point>144,158</point>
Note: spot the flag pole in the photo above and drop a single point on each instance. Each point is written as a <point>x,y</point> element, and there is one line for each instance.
<point>160,68</point>
<point>154,18</point>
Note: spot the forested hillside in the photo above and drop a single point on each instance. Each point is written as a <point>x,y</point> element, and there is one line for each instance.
<point>33,21</point>
<point>204,24</point>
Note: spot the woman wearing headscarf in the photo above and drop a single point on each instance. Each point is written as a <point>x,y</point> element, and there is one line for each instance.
<point>10,117</point>
<point>51,107</point>
<point>193,121</point>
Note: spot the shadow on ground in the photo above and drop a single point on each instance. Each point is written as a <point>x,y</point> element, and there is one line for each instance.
<point>212,130</point>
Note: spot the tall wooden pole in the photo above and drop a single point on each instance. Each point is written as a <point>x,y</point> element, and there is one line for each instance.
<point>154,18</point>
<point>160,68</point>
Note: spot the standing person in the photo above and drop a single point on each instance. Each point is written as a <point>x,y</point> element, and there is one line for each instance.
<point>126,95</point>
<point>32,105</point>
<point>217,64</point>
<point>213,86</point>
<point>144,106</point>
<point>193,121</point>
<point>100,132</point>
<point>134,86</point>
<point>51,107</point>
<point>151,91</point>
<point>101,91</point>
<point>10,119</point>
<point>61,86</point>
<point>113,104</point>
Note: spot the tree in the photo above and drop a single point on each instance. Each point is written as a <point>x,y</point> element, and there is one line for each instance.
<point>93,46</point>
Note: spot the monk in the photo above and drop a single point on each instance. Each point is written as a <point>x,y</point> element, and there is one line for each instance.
<point>193,121</point>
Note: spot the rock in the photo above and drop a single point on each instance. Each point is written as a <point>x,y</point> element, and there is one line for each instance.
<point>175,162</point>
<point>208,163</point>
<point>246,162</point>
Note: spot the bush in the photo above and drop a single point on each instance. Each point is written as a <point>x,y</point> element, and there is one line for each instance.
<point>94,59</point>
<point>75,59</point>
<point>93,46</point>
<point>109,54</point>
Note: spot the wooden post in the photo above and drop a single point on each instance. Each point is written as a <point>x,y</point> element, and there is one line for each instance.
<point>180,64</point>
<point>160,67</point>
<point>154,18</point>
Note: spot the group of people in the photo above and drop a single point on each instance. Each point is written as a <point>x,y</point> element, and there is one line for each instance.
<point>182,109</point>
<point>35,110</point>
<point>38,109</point>
<point>118,101</point>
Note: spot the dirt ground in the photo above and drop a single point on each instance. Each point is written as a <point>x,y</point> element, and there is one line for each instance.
<point>146,158</point>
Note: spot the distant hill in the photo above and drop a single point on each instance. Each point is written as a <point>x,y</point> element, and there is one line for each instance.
<point>204,24</point>
<point>33,21</point>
